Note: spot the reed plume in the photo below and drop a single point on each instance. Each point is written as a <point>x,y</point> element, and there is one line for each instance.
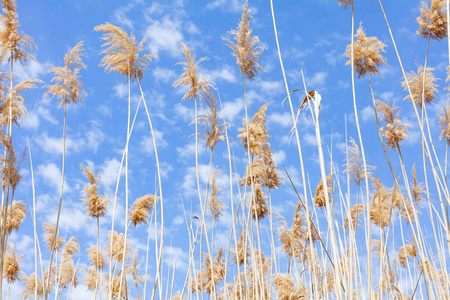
<point>122,53</point>
<point>30,286</point>
<point>243,251</point>
<point>422,85</point>
<point>51,239</point>
<point>13,41</point>
<point>213,128</point>
<point>11,268</point>
<point>405,252</point>
<point>346,3</point>
<point>319,198</point>
<point>254,139</point>
<point>433,20</point>
<point>395,131</point>
<point>444,120</point>
<point>14,111</point>
<point>96,258</point>
<point>196,84</point>
<point>215,204</point>
<point>95,204</point>
<point>245,46</point>
<point>117,250</point>
<point>354,166</point>
<point>141,208</point>
<point>134,271</point>
<point>92,279</point>
<point>366,54</point>
<point>68,86</point>
<point>355,212</point>
<point>15,216</point>
<point>286,290</point>
<point>71,248</point>
<point>211,275</point>
<point>117,290</point>
<point>382,203</point>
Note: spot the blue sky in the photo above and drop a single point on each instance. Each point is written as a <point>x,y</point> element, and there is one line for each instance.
<point>313,36</point>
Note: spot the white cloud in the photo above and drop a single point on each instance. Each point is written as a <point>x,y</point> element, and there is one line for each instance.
<point>225,73</point>
<point>188,150</point>
<point>110,170</point>
<point>164,35</point>
<point>367,114</point>
<point>51,175</point>
<point>120,90</point>
<point>163,74</point>
<point>32,70</point>
<point>317,81</point>
<point>231,5</point>
<point>146,144</point>
<point>271,87</point>
<point>232,109</point>
<point>94,137</point>
<point>184,112</point>
<point>31,121</point>
<point>178,254</point>
<point>310,139</point>
<point>279,157</point>
<point>283,119</point>
<point>121,17</point>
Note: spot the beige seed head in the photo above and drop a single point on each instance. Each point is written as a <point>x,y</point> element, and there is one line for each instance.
<point>141,208</point>
<point>122,52</point>
<point>366,54</point>
<point>433,20</point>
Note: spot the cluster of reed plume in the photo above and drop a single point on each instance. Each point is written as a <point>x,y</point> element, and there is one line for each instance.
<point>320,265</point>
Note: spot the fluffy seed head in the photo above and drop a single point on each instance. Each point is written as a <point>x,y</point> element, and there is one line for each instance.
<point>433,20</point>
<point>444,120</point>
<point>319,198</point>
<point>122,52</point>
<point>12,41</point>
<point>96,258</point>
<point>355,212</point>
<point>196,85</point>
<point>141,208</point>
<point>366,54</point>
<point>49,237</point>
<point>395,131</point>
<point>68,86</point>
<point>11,268</point>
<point>95,204</point>
<point>422,85</point>
<point>245,46</point>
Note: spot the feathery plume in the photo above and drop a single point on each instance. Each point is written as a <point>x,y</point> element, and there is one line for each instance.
<point>15,216</point>
<point>319,198</point>
<point>366,54</point>
<point>117,241</point>
<point>95,204</point>
<point>92,279</point>
<point>216,206</point>
<point>395,131</point>
<point>245,47</point>
<point>122,53</point>
<point>433,20</point>
<point>346,3</point>
<point>211,275</point>
<point>11,268</point>
<point>405,252</point>
<point>71,248</point>
<point>382,203</point>
<point>195,83</point>
<point>68,86</point>
<point>285,287</point>
<point>422,85</point>
<point>257,133</point>
<point>114,286</point>
<point>16,104</point>
<point>239,257</point>
<point>12,40</point>
<point>259,203</point>
<point>141,208</point>
<point>30,286</point>
<point>96,258</point>
<point>134,270</point>
<point>355,212</point>
<point>49,237</point>
<point>213,128</point>
<point>445,125</point>
<point>354,164</point>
